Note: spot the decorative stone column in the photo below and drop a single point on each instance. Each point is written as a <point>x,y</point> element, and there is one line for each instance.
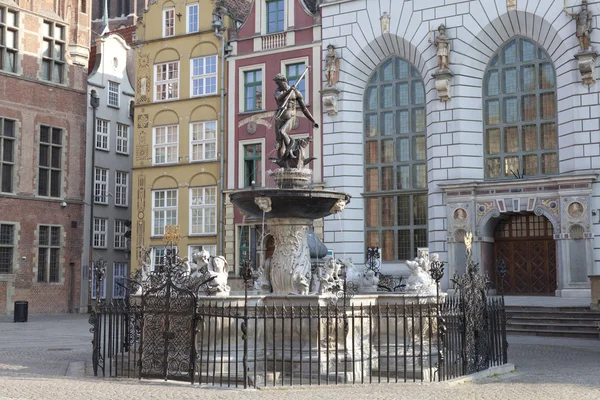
<point>290,264</point>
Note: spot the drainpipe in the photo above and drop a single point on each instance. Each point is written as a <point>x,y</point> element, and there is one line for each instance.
<point>217,24</point>
<point>94,102</point>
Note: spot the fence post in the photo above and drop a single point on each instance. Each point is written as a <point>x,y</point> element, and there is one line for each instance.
<point>502,271</point>
<point>436,270</point>
<point>246,274</point>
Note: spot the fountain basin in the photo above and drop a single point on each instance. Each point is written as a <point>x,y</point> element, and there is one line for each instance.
<point>289,203</point>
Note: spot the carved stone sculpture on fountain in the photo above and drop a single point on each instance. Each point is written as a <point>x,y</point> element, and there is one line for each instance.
<point>420,281</point>
<point>217,268</point>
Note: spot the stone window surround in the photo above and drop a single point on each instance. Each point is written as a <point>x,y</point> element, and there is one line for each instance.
<point>306,79</point>
<point>241,145</point>
<point>4,27</point>
<point>242,86</point>
<point>518,94</point>
<point>61,259</point>
<point>395,194</point>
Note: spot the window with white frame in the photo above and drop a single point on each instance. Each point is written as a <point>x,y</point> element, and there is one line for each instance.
<point>113,94</point>
<point>275,12</point>
<point>121,188</point>
<point>203,140</point>
<point>203,211</point>
<point>102,286</point>
<point>192,249</point>
<point>7,246</point>
<point>101,186</point>
<point>164,210</point>
<point>158,259</point>
<point>48,254</point>
<point>9,42</point>
<point>166,81</point>
<point>204,75</point>
<point>168,22</point>
<point>166,143</point>
<point>192,18</point>
<point>100,233</point>
<point>122,138</point>
<point>119,276</point>
<point>102,134</point>
<point>120,230</point>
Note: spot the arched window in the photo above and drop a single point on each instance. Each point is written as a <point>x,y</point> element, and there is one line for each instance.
<point>395,161</point>
<point>519,112</point>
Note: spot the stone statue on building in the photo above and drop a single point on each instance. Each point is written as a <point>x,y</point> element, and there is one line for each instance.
<point>287,97</point>
<point>332,66</point>
<point>584,25</point>
<point>442,42</point>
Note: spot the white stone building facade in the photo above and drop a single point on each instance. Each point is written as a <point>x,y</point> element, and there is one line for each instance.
<point>511,156</point>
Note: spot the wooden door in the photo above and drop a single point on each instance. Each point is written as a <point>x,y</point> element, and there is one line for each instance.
<point>525,243</point>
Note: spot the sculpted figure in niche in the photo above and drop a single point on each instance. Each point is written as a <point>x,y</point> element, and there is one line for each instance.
<point>584,25</point>
<point>442,42</point>
<point>460,215</point>
<point>575,209</point>
<point>287,97</point>
<point>332,66</point>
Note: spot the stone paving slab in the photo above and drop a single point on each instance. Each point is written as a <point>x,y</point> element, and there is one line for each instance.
<point>35,356</point>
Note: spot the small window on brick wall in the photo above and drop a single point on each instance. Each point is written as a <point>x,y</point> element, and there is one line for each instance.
<point>50,162</point>
<point>7,154</point>
<point>7,247</point>
<point>49,254</point>
<point>53,52</point>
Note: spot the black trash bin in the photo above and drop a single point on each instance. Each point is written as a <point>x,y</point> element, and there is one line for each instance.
<point>21,310</point>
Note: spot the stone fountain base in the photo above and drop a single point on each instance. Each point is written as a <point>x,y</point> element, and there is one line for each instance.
<point>312,337</point>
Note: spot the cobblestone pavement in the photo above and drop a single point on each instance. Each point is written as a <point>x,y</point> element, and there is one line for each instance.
<point>34,358</point>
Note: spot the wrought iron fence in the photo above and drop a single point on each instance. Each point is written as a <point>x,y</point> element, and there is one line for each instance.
<point>168,331</point>
<point>239,344</point>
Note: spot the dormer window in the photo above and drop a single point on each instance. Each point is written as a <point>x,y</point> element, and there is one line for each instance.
<point>275,9</point>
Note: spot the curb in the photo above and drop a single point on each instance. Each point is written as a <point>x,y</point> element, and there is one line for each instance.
<point>76,369</point>
<point>478,376</point>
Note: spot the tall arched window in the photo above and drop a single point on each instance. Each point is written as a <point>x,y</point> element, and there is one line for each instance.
<point>395,161</point>
<point>519,110</point>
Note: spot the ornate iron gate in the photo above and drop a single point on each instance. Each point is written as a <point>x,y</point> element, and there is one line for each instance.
<point>168,331</point>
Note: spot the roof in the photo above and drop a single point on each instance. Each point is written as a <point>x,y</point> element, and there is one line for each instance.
<point>127,33</point>
<point>238,9</point>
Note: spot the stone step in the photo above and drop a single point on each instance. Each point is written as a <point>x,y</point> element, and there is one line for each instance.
<point>540,326</point>
<point>553,320</point>
<point>554,333</point>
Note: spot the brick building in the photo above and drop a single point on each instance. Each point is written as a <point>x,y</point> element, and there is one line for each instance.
<point>44,51</point>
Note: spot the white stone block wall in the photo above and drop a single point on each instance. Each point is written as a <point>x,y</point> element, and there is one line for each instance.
<point>478,28</point>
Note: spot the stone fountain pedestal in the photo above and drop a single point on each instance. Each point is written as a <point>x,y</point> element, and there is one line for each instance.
<point>315,337</point>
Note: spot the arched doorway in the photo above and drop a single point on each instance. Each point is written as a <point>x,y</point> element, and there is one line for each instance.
<point>525,243</point>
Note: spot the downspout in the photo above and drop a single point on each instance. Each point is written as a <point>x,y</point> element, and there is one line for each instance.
<point>218,30</point>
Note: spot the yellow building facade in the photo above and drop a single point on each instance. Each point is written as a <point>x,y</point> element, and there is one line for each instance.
<point>178,133</point>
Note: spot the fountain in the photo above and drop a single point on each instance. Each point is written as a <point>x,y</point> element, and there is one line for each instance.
<point>333,324</point>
